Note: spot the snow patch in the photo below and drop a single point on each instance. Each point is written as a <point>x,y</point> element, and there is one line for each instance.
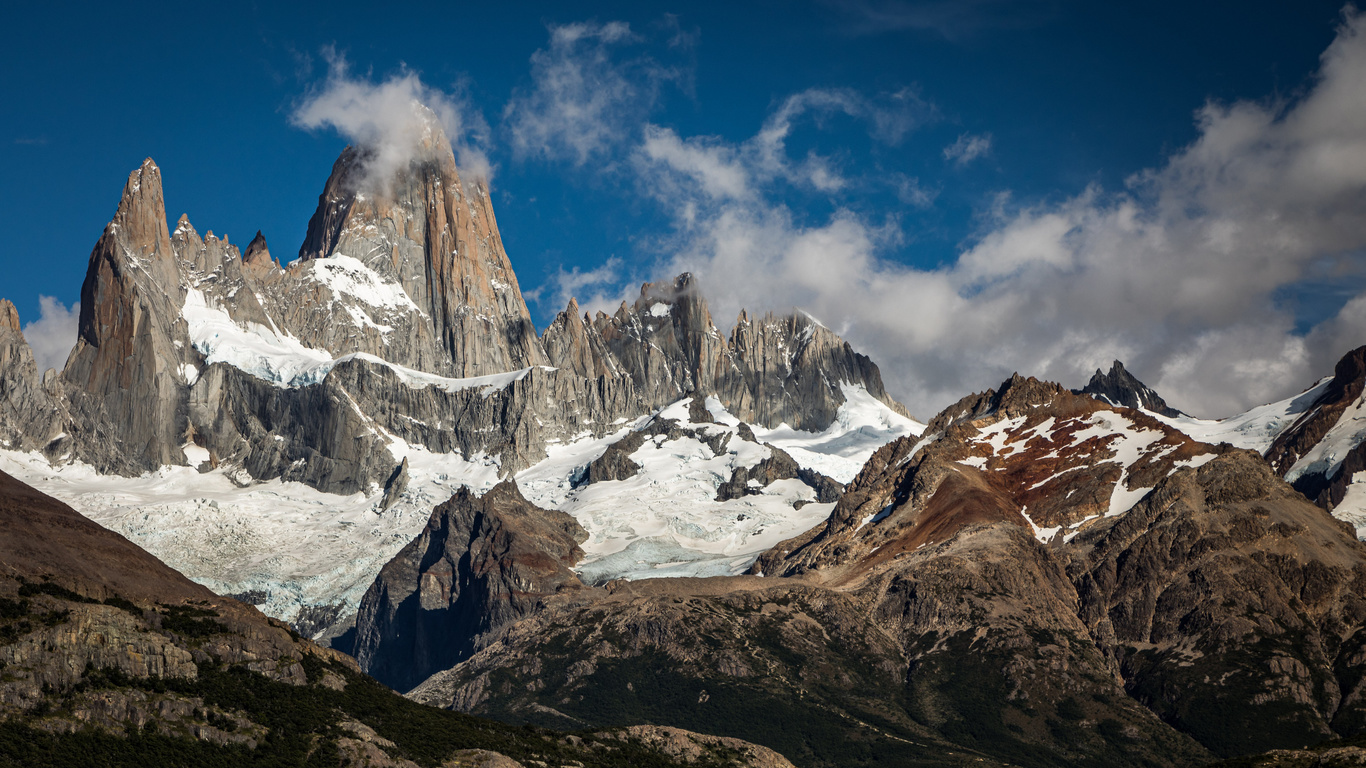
<point>1327,456</point>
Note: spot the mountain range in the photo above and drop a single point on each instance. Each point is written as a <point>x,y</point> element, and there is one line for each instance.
<point>366,465</point>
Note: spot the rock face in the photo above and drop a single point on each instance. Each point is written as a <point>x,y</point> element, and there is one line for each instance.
<point>1119,387</point>
<point>436,237</point>
<point>1233,607</point>
<point>481,563</point>
<point>779,369</point>
<point>124,380</point>
<point>1183,603</point>
<point>30,418</point>
<point>1323,450</point>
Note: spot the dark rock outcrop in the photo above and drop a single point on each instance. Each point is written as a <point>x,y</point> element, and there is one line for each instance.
<point>480,564</point>
<point>1345,388</point>
<point>1119,387</point>
<point>1233,607</point>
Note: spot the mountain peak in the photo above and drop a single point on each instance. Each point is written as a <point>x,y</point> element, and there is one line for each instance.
<point>9,315</point>
<point>1119,387</point>
<point>420,229</point>
<point>141,217</point>
<point>258,255</point>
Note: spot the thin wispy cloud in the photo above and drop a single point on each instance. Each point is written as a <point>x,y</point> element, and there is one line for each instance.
<point>951,19</point>
<point>968,148</point>
<point>585,96</point>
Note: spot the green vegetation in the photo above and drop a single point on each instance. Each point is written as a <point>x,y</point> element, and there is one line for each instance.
<point>189,622</point>
<point>303,727</point>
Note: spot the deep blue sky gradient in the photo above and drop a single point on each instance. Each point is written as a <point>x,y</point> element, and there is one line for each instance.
<point>1073,93</point>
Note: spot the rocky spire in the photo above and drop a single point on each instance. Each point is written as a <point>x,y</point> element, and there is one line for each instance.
<point>571,344</point>
<point>1119,387</point>
<point>124,369</point>
<point>9,316</point>
<point>436,236</point>
<point>258,256</point>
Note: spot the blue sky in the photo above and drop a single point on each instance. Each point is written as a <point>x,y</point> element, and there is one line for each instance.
<point>923,146</point>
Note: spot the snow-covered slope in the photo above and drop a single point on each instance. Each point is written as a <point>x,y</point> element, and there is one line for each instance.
<point>299,554</point>
<point>1255,429</point>
<point>665,520</point>
<point>308,557</point>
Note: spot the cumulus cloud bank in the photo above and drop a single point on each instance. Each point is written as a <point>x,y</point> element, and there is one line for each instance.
<point>53,334</point>
<point>393,120</point>
<point>1177,274</point>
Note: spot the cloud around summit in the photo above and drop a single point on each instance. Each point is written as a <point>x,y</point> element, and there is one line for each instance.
<point>391,117</point>
<point>1181,272</point>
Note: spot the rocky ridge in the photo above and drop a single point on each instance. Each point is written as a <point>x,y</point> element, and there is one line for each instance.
<point>401,323</point>
<point>952,600</point>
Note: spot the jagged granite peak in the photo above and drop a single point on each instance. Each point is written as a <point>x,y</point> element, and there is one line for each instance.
<point>792,370</point>
<point>124,375</point>
<point>571,343</point>
<point>258,255</point>
<point>436,236</point>
<point>481,563</point>
<point>780,369</point>
<point>1119,387</point>
<point>9,316</point>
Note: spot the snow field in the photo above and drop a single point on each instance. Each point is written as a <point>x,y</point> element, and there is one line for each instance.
<point>665,521</point>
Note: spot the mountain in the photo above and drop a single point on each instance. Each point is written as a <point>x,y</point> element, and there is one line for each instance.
<point>1321,452</point>
<point>1186,604</point>
<point>372,443</point>
<point>110,655</point>
<point>220,408</point>
<point>1119,387</point>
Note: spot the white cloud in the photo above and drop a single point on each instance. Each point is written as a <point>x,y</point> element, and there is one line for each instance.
<point>968,148</point>
<point>708,169</point>
<point>596,289</point>
<point>395,120</point>
<point>582,101</point>
<point>53,334</point>
<point>1176,274</point>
